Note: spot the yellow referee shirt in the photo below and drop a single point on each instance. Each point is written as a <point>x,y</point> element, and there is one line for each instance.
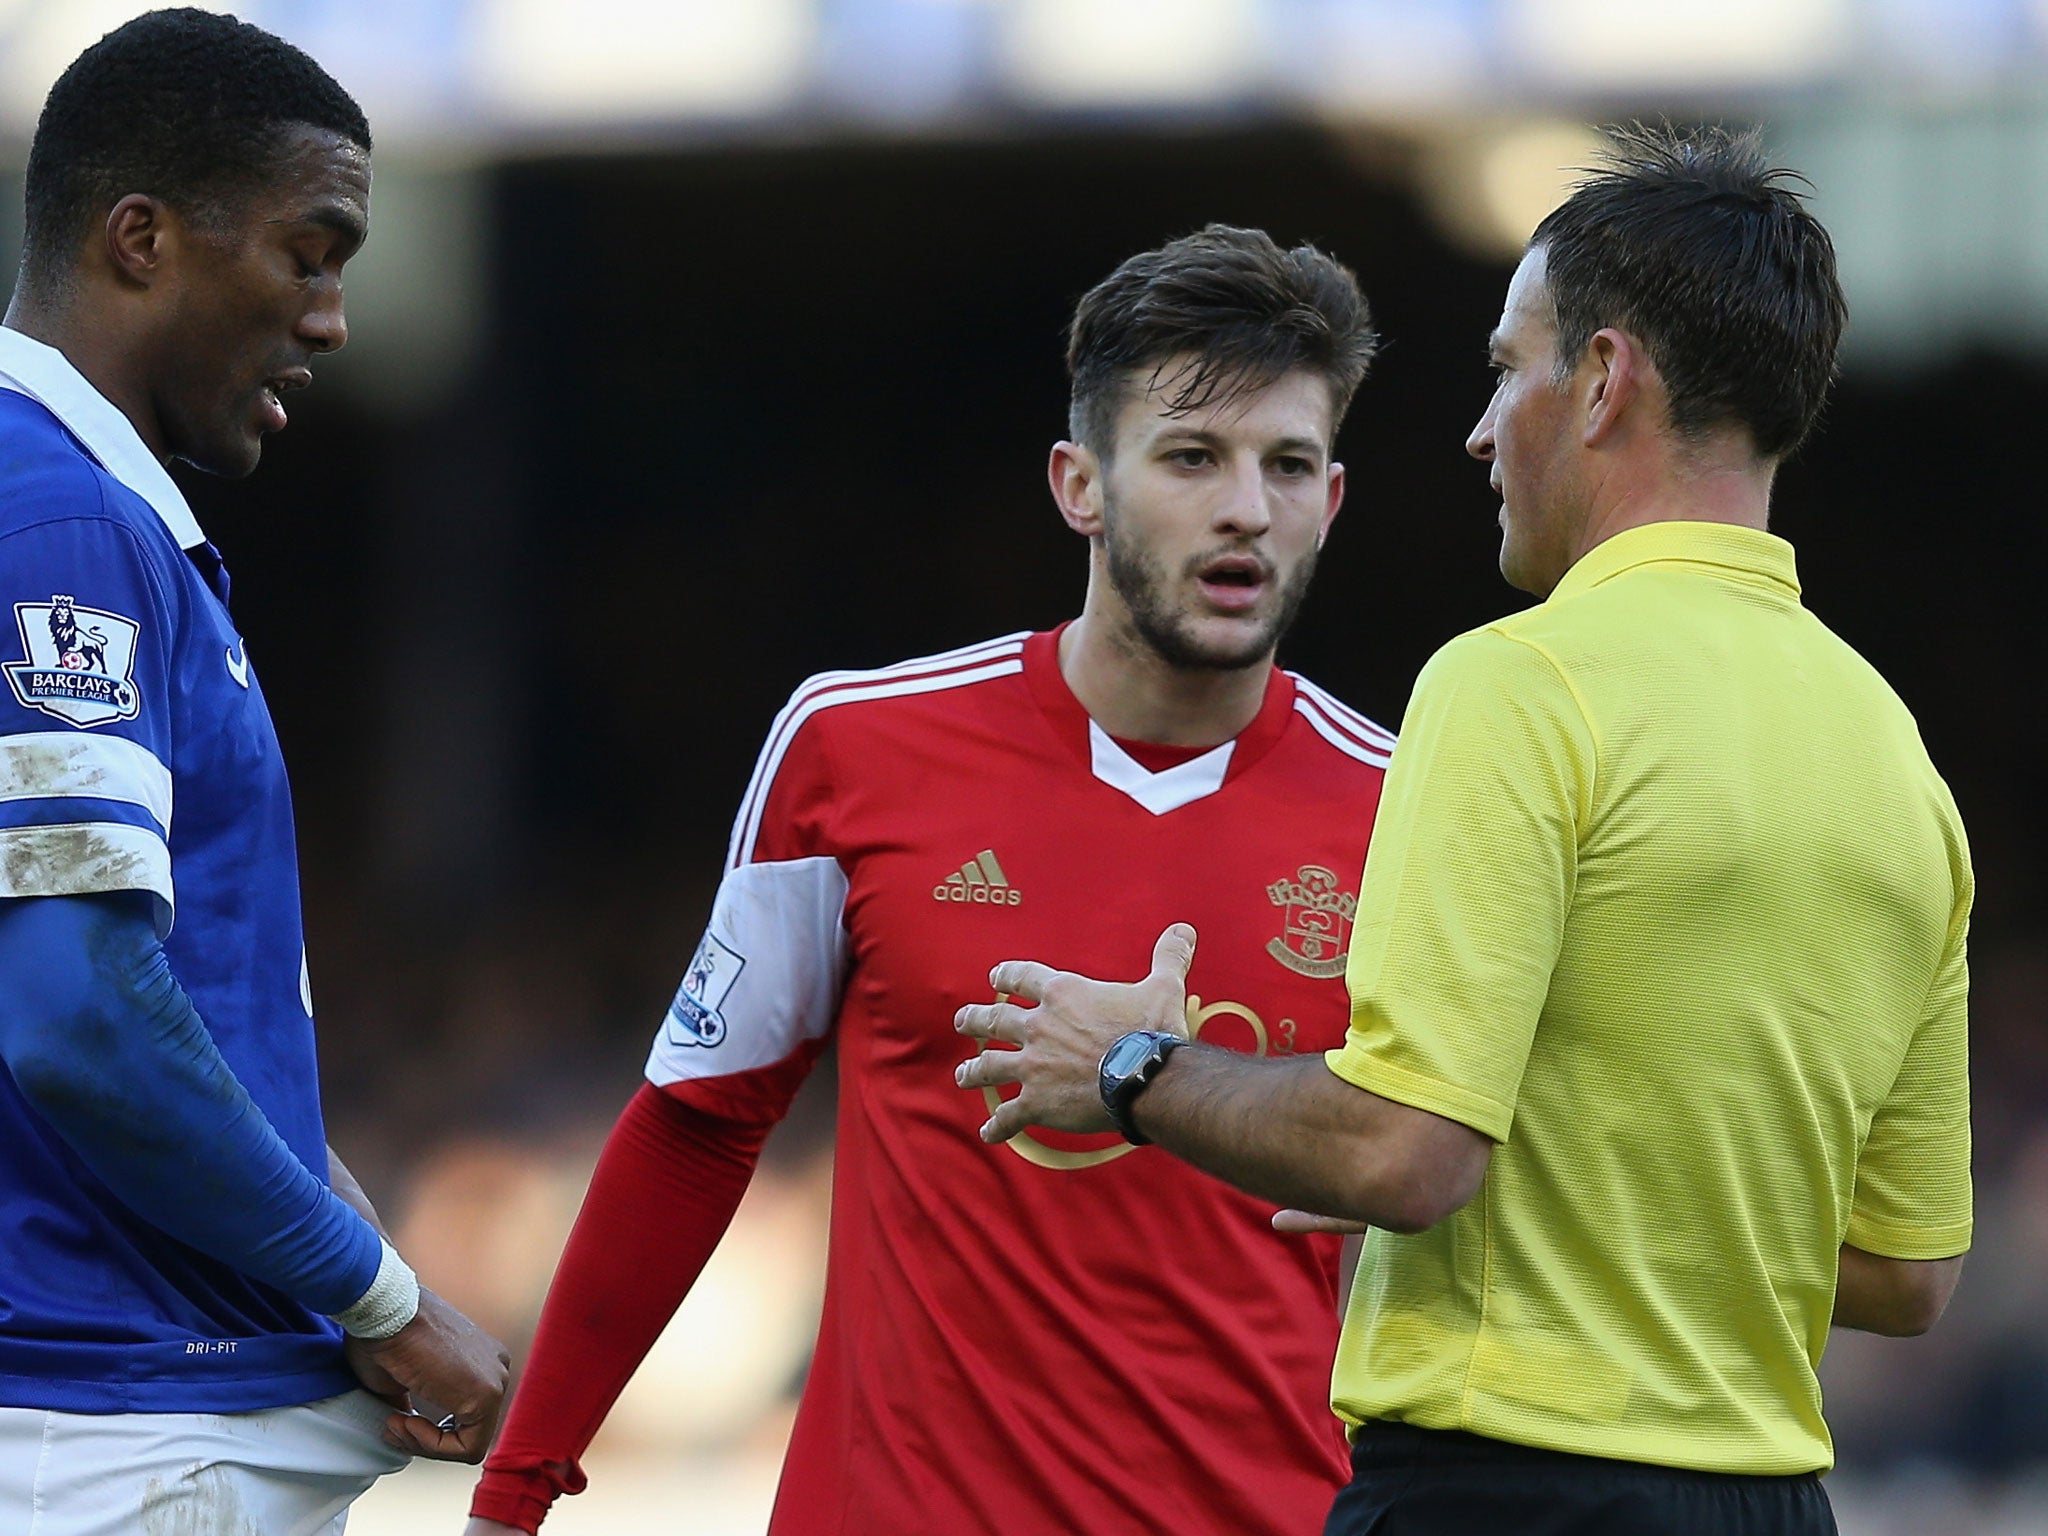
<point>1666,899</point>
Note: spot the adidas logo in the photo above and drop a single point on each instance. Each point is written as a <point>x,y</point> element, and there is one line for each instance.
<point>981,881</point>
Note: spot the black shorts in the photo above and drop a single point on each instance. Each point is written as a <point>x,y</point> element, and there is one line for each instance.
<point>1432,1482</point>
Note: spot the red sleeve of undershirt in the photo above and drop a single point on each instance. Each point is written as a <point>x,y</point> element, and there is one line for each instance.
<point>666,1186</point>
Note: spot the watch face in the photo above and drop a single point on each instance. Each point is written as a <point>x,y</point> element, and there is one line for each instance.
<point>1127,1055</point>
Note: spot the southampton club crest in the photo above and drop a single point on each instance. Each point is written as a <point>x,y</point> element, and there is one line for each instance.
<point>1317,929</point>
<point>81,662</point>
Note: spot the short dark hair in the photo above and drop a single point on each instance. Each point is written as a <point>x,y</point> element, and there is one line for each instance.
<point>1695,245</point>
<point>1231,299</point>
<point>184,105</point>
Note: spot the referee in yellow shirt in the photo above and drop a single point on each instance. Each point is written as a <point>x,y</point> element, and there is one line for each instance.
<point>1657,1056</point>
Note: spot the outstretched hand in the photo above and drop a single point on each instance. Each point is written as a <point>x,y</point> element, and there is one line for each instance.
<point>445,1366</point>
<point>1059,1042</point>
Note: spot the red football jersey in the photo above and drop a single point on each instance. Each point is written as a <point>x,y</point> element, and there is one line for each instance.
<point>1064,1334</point>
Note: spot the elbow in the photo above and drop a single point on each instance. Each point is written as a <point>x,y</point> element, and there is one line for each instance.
<point>60,1072</point>
<point>1898,1298</point>
<point>1409,1218</point>
<point>1430,1199</point>
<point>46,1073</point>
<point>1430,1181</point>
<point>1917,1311</point>
<point>1905,1322</point>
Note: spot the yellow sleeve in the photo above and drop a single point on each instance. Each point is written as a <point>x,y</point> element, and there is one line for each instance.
<point>1912,1196</point>
<point>1468,881</point>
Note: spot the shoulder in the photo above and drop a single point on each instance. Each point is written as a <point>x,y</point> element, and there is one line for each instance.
<point>850,699</point>
<point>1498,697</point>
<point>1343,729</point>
<point>1511,653</point>
<point>46,477</point>
<point>835,718</point>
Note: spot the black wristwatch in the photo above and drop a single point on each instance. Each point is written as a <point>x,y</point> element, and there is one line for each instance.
<point>1130,1063</point>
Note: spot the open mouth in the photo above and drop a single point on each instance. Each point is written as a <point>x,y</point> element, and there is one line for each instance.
<point>1234,582</point>
<point>269,401</point>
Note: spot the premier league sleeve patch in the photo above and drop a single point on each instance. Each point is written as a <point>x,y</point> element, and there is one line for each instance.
<point>694,1018</point>
<point>79,663</point>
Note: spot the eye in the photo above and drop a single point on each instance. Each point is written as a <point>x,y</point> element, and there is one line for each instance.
<point>1188,458</point>
<point>1294,465</point>
<point>313,257</point>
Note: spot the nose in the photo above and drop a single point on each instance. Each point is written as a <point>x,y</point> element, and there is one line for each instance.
<point>1242,508</point>
<point>1480,443</point>
<point>324,325</point>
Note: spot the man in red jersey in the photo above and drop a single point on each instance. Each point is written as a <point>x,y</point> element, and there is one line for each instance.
<point>1164,1360</point>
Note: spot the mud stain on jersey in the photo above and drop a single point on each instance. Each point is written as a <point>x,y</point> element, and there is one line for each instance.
<point>54,861</point>
<point>62,767</point>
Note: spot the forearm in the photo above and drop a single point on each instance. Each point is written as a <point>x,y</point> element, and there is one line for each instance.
<point>665,1189</point>
<point>108,1049</point>
<point>350,1192</point>
<point>1293,1132</point>
<point>1895,1297</point>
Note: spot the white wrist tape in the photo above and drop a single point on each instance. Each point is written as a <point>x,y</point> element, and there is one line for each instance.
<point>392,1300</point>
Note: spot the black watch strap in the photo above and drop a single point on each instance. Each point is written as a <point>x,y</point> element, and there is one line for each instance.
<point>1128,1067</point>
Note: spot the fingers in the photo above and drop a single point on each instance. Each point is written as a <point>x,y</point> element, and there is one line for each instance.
<point>370,1371</point>
<point>1173,953</point>
<point>991,1069</point>
<point>1022,978</point>
<point>1005,1122</point>
<point>992,1021</point>
<point>376,1380</point>
<point>1308,1221</point>
<point>418,1436</point>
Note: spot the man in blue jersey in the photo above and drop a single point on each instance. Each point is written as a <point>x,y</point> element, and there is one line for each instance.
<point>189,1312</point>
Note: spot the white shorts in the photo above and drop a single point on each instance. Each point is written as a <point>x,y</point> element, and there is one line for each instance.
<point>275,1472</point>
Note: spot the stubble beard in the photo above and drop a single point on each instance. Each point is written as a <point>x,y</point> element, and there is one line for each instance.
<point>1168,631</point>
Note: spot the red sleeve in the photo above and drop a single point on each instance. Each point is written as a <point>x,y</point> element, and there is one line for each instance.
<point>666,1186</point>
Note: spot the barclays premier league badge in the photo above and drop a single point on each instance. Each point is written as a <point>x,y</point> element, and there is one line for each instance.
<point>694,1017</point>
<point>81,662</point>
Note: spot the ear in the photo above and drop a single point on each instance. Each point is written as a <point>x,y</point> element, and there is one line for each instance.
<point>1616,373</point>
<point>1075,474</point>
<point>1333,501</point>
<point>139,234</point>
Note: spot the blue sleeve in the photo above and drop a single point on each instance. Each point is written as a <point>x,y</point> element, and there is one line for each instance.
<point>107,1047</point>
<point>85,706</point>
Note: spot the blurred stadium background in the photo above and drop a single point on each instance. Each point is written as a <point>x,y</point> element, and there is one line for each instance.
<point>702,344</point>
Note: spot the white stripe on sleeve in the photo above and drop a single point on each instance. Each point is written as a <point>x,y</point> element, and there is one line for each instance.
<point>1337,736</point>
<point>84,859</point>
<point>1373,733</point>
<point>65,765</point>
<point>807,701</point>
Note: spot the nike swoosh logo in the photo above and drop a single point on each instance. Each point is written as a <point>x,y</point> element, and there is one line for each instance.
<point>238,666</point>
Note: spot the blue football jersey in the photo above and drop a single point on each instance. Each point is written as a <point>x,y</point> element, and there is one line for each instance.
<point>136,754</point>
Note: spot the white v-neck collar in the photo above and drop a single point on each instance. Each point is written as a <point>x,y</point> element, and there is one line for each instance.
<point>1167,790</point>
<point>43,373</point>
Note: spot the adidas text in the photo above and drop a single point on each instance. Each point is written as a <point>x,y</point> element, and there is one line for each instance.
<point>980,882</point>
<point>980,895</point>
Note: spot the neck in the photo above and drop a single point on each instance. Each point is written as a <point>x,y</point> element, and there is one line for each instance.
<point>101,353</point>
<point>1731,487</point>
<point>1132,693</point>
